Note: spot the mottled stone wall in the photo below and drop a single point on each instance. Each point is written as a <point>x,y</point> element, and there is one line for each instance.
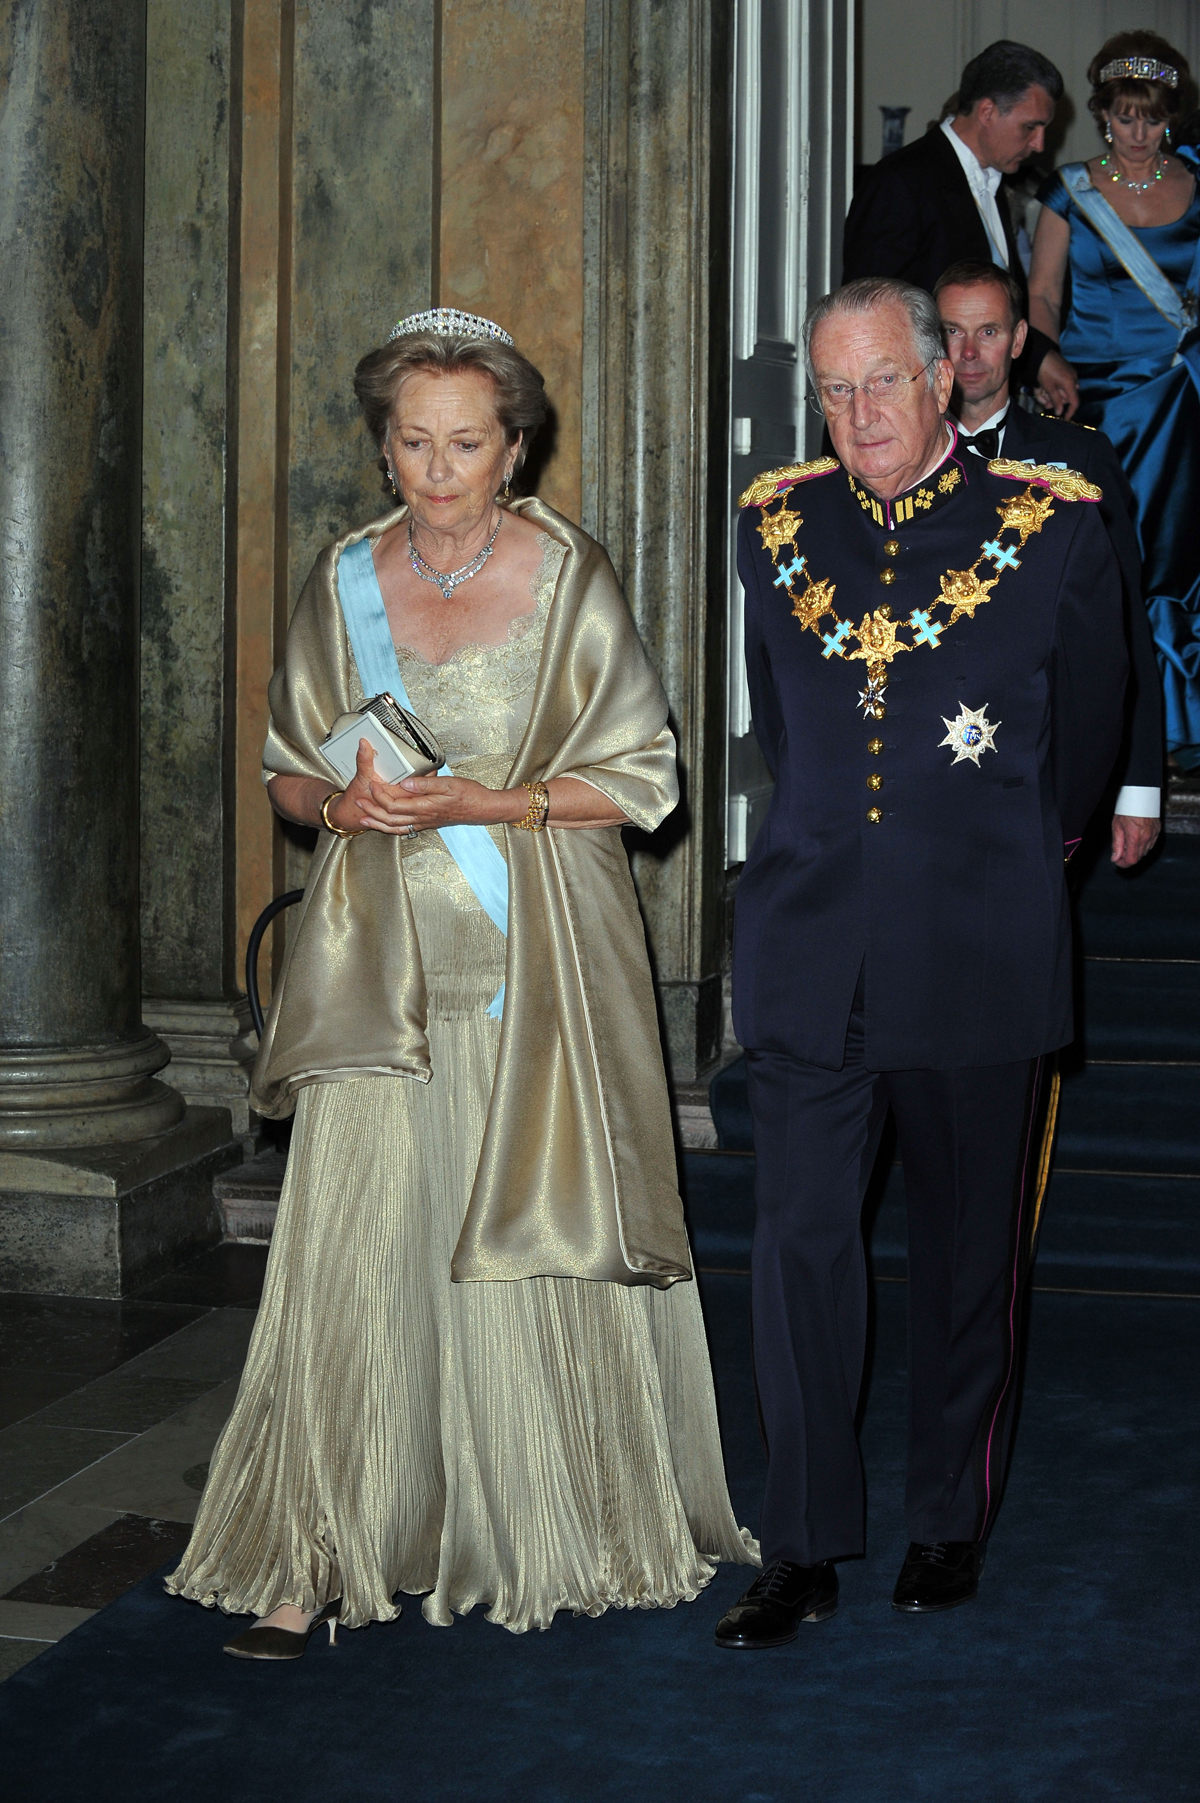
<point>187,821</point>
<point>70,380</point>
<point>362,199</point>
<point>512,155</point>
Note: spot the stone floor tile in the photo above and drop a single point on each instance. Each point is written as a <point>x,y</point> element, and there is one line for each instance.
<point>37,1535</point>
<point>128,1400</point>
<point>16,1653</point>
<point>80,1333</point>
<point>226,1276</point>
<point>34,1459</point>
<point>148,1475</point>
<point>102,1568</point>
<point>23,1392</point>
<point>39,1621</point>
<point>209,1349</point>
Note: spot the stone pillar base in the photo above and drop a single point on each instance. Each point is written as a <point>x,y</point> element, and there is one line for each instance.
<point>212,1047</point>
<point>103,1221</point>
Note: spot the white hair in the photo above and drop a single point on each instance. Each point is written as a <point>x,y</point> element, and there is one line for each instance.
<point>873,291</point>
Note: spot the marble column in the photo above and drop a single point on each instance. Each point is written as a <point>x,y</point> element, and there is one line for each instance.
<point>191,975</point>
<point>78,1087</point>
<point>655,410</point>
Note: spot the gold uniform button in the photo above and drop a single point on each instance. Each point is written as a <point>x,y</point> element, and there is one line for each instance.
<point>891,547</point>
<point>875,815</point>
<point>878,711</point>
<point>887,576</point>
<point>875,781</point>
<point>874,746</point>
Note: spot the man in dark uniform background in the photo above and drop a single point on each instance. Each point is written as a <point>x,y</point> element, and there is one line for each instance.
<point>980,307</point>
<point>936,662</point>
<point>937,200</point>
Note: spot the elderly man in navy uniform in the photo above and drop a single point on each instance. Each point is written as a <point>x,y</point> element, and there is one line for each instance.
<point>937,662</point>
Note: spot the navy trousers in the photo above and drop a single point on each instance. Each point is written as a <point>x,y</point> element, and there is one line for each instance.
<point>969,1141</point>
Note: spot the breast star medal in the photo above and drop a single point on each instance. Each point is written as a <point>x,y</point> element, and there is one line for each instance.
<point>970,734</point>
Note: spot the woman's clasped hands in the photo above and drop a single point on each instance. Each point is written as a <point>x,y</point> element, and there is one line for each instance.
<point>418,803</point>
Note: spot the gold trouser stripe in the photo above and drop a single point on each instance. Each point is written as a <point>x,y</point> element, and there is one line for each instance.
<point>1043,1175</point>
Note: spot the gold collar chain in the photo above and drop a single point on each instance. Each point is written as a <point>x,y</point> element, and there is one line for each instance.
<point>876,643</point>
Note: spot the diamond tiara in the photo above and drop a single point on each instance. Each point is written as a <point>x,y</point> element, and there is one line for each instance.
<point>448,322</point>
<point>1140,68</point>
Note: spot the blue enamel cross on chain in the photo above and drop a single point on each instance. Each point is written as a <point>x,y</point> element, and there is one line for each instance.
<point>1002,556</point>
<point>789,573</point>
<point>926,631</point>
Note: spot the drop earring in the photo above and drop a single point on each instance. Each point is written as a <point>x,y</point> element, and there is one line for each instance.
<point>1107,132</point>
<point>507,489</point>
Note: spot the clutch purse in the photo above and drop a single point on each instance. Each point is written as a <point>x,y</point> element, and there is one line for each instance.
<point>403,745</point>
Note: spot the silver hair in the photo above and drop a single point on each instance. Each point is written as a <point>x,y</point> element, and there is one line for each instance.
<point>864,296</point>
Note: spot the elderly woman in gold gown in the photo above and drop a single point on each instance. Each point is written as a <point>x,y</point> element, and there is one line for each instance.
<point>479,1372</point>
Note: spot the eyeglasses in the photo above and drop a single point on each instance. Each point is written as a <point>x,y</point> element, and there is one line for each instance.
<point>833,398</point>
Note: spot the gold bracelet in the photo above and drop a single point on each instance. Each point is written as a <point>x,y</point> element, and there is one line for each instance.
<point>339,832</point>
<point>539,808</point>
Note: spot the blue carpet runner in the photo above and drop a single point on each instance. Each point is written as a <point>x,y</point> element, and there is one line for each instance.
<point>1070,1680</point>
<point>1123,1208</point>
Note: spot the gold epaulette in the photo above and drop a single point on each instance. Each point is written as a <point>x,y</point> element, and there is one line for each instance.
<point>1064,485</point>
<point>772,482</point>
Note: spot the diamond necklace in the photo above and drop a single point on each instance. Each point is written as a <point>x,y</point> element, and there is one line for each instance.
<point>449,580</point>
<point>1137,187</point>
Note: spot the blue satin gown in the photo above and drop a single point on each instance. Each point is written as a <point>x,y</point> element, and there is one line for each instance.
<point>1124,351</point>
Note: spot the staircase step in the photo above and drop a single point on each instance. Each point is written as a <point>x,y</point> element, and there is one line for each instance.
<point>1098,1231</point>
<point>1140,1010</point>
<point>248,1197</point>
<point>1140,1118</point>
<point>1149,912</point>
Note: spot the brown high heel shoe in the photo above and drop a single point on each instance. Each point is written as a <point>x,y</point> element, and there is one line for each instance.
<point>282,1643</point>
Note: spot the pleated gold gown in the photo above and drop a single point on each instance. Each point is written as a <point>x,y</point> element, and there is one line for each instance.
<point>535,1445</point>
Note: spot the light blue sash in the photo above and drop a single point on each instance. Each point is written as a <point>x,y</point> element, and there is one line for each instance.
<point>1137,263</point>
<point>472,847</point>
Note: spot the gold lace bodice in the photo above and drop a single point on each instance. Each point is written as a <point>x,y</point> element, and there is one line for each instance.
<point>478,703</point>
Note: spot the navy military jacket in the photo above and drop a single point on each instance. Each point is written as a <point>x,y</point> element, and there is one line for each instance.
<point>925,797</point>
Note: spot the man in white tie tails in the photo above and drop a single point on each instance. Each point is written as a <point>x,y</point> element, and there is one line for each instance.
<point>937,201</point>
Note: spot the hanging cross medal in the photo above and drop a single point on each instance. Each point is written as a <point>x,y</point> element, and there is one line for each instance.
<point>872,698</point>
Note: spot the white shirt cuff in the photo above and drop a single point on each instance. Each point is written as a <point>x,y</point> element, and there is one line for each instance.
<point>1143,803</point>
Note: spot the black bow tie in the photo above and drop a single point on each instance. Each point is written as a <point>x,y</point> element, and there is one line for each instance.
<point>984,444</point>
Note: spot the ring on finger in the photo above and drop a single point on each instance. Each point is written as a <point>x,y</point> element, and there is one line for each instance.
<point>410,832</point>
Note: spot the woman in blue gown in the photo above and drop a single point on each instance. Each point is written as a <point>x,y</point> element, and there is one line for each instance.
<point>1138,369</point>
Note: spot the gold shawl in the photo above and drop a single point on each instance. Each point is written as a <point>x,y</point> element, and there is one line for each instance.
<point>576,1177</point>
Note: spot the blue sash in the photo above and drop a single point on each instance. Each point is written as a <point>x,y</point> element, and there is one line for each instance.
<point>472,847</point>
<point>1137,262</point>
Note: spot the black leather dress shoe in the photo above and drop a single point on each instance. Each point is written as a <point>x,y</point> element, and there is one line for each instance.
<point>939,1576</point>
<point>780,1598</point>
